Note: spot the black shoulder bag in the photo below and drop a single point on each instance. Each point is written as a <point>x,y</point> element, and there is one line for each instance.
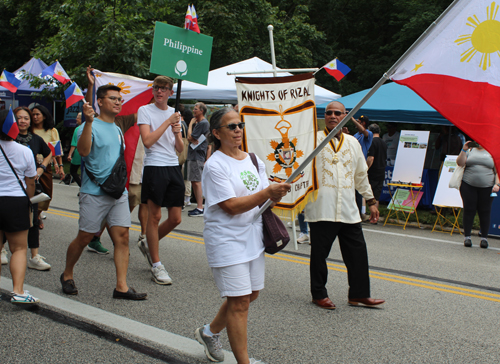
<point>116,181</point>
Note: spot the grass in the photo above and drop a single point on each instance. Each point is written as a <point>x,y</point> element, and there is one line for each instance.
<point>426,217</point>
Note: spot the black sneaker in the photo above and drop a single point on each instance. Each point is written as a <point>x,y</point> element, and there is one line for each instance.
<point>196,213</point>
<point>484,244</point>
<point>467,243</point>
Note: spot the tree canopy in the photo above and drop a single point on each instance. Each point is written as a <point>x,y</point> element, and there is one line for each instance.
<point>116,35</point>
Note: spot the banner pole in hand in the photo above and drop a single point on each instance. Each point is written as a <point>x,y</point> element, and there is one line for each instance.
<point>178,95</point>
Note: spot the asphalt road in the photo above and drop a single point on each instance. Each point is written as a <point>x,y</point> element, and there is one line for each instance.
<point>442,304</point>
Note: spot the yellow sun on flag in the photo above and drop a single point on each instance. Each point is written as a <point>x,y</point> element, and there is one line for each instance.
<point>417,66</point>
<point>122,86</point>
<point>485,38</point>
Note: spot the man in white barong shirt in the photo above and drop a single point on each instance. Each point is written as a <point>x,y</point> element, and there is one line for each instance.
<point>341,170</point>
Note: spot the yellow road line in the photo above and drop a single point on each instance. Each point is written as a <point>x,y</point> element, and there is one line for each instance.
<point>337,267</point>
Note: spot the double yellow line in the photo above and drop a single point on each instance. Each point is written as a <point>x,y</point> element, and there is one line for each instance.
<point>337,267</point>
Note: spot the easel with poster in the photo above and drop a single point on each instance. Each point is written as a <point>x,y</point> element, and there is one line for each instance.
<point>407,177</point>
<point>447,197</point>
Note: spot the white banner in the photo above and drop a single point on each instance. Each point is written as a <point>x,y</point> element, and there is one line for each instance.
<point>280,117</point>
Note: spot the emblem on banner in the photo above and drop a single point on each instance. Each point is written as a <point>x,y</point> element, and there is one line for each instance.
<point>285,152</point>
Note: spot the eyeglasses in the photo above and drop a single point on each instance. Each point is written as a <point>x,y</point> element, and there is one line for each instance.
<point>162,88</point>
<point>232,127</point>
<point>114,99</point>
<point>336,112</point>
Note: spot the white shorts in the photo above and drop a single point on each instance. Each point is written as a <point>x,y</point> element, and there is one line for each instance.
<point>96,209</point>
<point>240,279</point>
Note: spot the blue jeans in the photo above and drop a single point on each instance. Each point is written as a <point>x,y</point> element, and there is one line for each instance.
<point>302,224</point>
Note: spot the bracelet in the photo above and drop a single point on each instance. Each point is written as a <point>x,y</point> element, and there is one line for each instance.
<point>465,150</point>
<point>61,165</point>
<point>371,202</point>
<point>43,167</point>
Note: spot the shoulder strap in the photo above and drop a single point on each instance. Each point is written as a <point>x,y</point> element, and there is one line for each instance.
<point>13,170</point>
<point>254,160</point>
<point>122,152</point>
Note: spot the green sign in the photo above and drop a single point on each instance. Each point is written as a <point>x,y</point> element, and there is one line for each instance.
<point>181,53</point>
<point>409,138</point>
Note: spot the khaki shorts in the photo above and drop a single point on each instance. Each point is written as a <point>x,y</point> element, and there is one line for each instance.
<point>134,195</point>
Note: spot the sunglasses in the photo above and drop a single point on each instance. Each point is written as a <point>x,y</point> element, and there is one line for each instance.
<point>336,112</point>
<point>232,127</point>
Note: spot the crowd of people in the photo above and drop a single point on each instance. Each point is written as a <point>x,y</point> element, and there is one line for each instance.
<point>351,170</point>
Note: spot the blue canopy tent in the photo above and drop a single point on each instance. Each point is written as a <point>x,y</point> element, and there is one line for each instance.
<point>391,103</point>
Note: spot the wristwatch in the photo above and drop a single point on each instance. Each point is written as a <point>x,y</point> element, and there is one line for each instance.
<point>43,167</point>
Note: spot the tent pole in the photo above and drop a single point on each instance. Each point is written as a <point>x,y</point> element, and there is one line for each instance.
<point>383,79</point>
<point>271,41</point>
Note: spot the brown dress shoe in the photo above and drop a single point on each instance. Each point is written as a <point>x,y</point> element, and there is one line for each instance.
<point>325,303</point>
<point>368,302</point>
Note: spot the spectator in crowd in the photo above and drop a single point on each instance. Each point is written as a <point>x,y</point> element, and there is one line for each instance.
<point>480,179</point>
<point>73,155</point>
<point>99,144</point>
<point>365,138</point>
<point>43,125</point>
<point>234,188</point>
<point>197,154</point>
<point>448,143</point>
<point>391,138</point>
<point>342,170</point>
<point>376,161</point>
<point>162,182</point>
<point>15,207</point>
<point>42,156</point>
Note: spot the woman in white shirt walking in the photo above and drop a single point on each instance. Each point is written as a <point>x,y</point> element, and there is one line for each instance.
<point>233,190</point>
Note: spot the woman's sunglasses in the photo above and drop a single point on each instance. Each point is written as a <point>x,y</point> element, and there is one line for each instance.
<point>232,127</point>
<point>336,112</point>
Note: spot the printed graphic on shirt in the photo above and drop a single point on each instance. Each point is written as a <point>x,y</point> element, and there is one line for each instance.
<point>249,180</point>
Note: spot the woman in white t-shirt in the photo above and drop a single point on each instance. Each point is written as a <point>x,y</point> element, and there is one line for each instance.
<point>15,206</point>
<point>233,190</point>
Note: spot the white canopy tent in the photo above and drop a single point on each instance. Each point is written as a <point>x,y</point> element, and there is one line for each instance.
<point>222,88</point>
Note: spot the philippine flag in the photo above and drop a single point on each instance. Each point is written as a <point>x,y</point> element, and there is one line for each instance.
<point>9,81</point>
<point>456,70</point>
<point>189,18</point>
<point>10,125</point>
<point>55,147</point>
<point>336,69</point>
<point>55,70</point>
<point>73,94</point>
<point>194,21</point>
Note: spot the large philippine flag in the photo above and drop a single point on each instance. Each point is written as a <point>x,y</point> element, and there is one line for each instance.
<point>135,92</point>
<point>73,94</point>
<point>456,69</point>
<point>55,70</point>
<point>9,81</point>
<point>10,125</point>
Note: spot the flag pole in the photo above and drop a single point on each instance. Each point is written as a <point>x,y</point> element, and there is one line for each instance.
<point>273,57</point>
<point>178,95</point>
<point>383,79</point>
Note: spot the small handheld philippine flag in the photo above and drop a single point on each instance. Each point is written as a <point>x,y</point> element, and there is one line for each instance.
<point>55,70</point>
<point>55,148</point>
<point>73,94</point>
<point>336,69</point>
<point>9,81</point>
<point>10,126</point>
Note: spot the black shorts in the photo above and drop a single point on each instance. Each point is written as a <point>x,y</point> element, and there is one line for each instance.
<point>163,185</point>
<point>14,214</point>
<point>377,188</point>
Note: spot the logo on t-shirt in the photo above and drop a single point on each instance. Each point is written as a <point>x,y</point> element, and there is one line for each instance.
<point>251,182</point>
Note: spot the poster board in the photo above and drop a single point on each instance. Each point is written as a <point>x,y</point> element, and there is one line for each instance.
<point>446,196</point>
<point>402,200</point>
<point>410,159</point>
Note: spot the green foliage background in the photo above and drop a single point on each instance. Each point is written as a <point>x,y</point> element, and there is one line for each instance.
<point>116,35</point>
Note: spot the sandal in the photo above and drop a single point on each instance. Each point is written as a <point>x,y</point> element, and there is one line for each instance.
<point>40,225</point>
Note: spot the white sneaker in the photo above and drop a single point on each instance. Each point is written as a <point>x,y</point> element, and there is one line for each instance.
<point>160,275</point>
<point>38,263</point>
<point>23,298</point>
<point>303,238</point>
<point>187,201</point>
<point>212,345</point>
<point>255,361</point>
<point>43,216</point>
<point>5,259</point>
